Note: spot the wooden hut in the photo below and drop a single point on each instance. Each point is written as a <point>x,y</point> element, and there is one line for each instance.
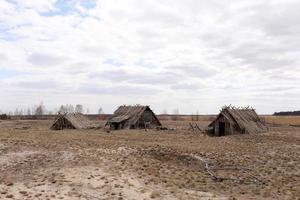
<point>133,117</point>
<point>4,117</point>
<point>233,120</point>
<point>72,121</point>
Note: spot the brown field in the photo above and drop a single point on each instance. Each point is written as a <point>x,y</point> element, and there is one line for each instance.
<point>283,120</point>
<point>37,163</point>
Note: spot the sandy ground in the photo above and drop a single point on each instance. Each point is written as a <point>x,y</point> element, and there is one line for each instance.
<point>37,163</point>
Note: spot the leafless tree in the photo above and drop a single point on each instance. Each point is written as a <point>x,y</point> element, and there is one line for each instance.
<point>100,111</point>
<point>62,109</point>
<point>28,111</point>
<point>16,111</point>
<point>68,108</point>
<point>79,108</point>
<point>40,109</point>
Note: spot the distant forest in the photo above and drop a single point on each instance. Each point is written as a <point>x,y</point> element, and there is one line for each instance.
<point>285,113</point>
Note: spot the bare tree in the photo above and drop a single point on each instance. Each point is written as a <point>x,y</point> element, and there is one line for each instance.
<point>16,111</point>
<point>100,111</point>
<point>28,111</point>
<point>40,109</point>
<point>176,111</point>
<point>79,108</point>
<point>70,108</point>
<point>87,111</point>
<point>62,109</point>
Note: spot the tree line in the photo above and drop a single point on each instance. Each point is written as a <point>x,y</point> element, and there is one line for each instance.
<point>286,113</point>
<point>41,109</point>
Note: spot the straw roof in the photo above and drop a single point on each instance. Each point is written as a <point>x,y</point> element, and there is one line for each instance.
<point>246,119</point>
<point>130,114</point>
<point>76,121</point>
<point>4,116</point>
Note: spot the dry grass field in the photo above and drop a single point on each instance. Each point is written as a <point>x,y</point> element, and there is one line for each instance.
<point>37,163</point>
<point>283,120</point>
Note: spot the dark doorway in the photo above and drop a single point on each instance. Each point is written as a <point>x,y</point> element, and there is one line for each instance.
<point>221,128</point>
<point>115,126</point>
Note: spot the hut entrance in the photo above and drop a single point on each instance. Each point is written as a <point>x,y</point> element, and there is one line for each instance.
<point>221,128</point>
<point>116,126</point>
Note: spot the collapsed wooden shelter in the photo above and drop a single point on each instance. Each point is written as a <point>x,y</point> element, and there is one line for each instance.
<point>72,121</point>
<point>133,117</point>
<point>232,120</point>
<point>4,117</point>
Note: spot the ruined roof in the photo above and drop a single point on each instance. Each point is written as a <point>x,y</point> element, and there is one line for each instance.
<point>4,116</point>
<point>119,119</point>
<point>78,120</point>
<point>245,118</point>
<point>130,113</point>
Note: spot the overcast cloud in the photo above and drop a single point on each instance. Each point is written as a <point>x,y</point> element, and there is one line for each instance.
<point>194,55</point>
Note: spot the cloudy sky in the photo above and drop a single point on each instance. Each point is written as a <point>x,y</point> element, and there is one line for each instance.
<point>191,55</point>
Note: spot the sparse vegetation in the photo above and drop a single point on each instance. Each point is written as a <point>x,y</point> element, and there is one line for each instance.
<point>39,163</point>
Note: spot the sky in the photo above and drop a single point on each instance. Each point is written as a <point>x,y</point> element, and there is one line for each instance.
<point>191,55</point>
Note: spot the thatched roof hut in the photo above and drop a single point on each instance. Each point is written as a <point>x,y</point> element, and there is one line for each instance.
<point>72,121</point>
<point>4,117</point>
<point>233,120</point>
<point>133,117</point>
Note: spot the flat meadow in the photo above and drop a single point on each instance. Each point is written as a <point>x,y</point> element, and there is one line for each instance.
<point>179,163</point>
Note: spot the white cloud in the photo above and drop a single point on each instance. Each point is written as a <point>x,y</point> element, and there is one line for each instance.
<point>40,6</point>
<point>192,55</point>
